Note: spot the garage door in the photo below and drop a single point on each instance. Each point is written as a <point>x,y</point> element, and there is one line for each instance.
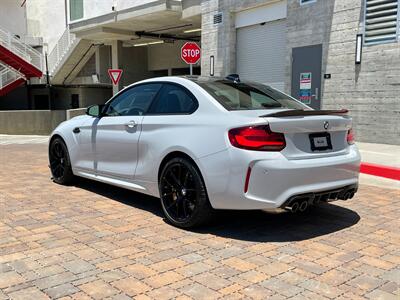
<point>261,53</point>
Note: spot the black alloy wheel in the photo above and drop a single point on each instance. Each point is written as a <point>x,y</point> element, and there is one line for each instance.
<point>183,194</point>
<point>60,164</point>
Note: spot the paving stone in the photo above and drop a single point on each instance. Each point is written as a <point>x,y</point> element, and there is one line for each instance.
<point>98,289</point>
<point>198,291</point>
<point>281,287</point>
<point>393,275</point>
<point>29,293</point>
<point>379,294</point>
<point>78,266</point>
<point>10,278</point>
<point>366,282</point>
<point>163,279</point>
<point>131,286</point>
<point>61,290</point>
<point>93,241</point>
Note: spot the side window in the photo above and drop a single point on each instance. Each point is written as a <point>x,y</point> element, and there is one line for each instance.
<point>134,101</point>
<point>173,99</point>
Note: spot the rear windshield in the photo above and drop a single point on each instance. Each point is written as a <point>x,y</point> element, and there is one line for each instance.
<point>249,96</point>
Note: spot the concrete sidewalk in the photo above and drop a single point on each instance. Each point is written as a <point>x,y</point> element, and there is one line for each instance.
<point>380,154</point>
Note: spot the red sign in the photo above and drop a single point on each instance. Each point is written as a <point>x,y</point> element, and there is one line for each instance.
<point>115,75</point>
<point>190,53</point>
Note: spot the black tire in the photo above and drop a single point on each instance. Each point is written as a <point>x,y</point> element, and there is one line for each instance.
<point>183,194</point>
<point>60,164</point>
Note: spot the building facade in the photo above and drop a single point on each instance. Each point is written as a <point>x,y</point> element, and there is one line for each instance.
<point>329,54</point>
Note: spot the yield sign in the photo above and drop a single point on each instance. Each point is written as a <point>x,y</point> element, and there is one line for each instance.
<point>115,75</point>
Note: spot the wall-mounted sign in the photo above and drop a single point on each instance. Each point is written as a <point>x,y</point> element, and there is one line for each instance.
<point>327,76</point>
<point>305,87</point>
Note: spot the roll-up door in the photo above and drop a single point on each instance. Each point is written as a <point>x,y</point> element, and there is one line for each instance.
<point>261,53</point>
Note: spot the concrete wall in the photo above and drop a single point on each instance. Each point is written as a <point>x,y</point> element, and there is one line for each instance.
<point>87,96</point>
<point>133,62</point>
<point>370,90</point>
<point>165,56</point>
<point>16,99</point>
<point>46,19</point>
<point>12,17</point>
<point>105,6</point>
<point>71,113</point>
<point>40,122</point>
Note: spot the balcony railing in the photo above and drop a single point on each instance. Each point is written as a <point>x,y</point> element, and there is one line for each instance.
<point>60,50</point>
<point>26,52</point>
<point>7,76</point>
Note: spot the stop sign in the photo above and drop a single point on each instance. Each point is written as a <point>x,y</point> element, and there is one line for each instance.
<point>190,53</point>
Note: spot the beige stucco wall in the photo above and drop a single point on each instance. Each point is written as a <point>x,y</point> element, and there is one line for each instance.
<point>46,19</point>
<point>12,17</point>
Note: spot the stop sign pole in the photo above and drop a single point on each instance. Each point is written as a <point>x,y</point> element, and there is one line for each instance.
<point>190,54</point>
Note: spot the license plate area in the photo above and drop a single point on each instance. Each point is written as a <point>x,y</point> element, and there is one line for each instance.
<point>320,141</point>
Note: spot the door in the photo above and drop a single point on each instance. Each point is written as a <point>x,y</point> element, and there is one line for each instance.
<point>261,53</point>
<point>306,75</point>
<point>114,137</point>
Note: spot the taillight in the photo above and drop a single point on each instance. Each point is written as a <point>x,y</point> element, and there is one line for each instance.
<point>350,137</point>
<point>259,138</point>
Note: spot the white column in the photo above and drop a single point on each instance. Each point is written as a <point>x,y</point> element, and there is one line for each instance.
<point>116,60</point>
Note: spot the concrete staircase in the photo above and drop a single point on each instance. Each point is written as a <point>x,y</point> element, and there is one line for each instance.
<point>68,58</point>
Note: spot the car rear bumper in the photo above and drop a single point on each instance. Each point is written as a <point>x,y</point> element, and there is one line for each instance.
<point>343,193</point>
<point>274,180</point>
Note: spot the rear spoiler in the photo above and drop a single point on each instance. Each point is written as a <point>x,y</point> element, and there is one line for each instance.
<point>300,113</point>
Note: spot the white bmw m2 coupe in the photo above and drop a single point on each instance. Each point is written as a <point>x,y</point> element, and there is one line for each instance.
<point>201,144</point>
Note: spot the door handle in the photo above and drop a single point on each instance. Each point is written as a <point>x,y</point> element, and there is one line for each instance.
<point>316,94</point>
<point>76,130</point>
<point>131,124</point>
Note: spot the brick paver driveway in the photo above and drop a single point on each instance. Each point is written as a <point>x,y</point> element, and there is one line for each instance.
<point>96,241</point>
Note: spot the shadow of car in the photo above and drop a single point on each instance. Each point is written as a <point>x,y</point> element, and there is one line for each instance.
<point>254,226</point>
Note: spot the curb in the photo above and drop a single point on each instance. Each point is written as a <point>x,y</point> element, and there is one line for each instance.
<point>380,170</point>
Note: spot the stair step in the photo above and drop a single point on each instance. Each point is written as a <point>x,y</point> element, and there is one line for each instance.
<point>19,63</point>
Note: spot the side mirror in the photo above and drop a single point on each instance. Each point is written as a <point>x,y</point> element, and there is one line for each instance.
<point>95,111</point>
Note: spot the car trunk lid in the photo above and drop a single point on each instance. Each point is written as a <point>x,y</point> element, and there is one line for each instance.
<point>311,134</point>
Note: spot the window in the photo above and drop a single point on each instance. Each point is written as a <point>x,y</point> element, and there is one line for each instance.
<point>381,21</point>
<point>307,1</point>
<point>173,99</point>
<point>75,9</point>
<point>248,96</point>
<point>134,101</point>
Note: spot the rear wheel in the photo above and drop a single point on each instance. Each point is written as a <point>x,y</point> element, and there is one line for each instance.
<point>60,164</point>
<point>183,194</point>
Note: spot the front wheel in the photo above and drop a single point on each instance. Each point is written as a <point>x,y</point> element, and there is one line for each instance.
<point>183,194</point>
<point>60,164</point>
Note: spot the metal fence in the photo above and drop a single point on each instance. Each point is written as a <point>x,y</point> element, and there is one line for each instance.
<point>60,50</point>
<point>7,76</point>
<point>26,52</point>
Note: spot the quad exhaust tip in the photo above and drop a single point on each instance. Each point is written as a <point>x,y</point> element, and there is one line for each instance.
<point>293,207</point>
<point>303,206</point>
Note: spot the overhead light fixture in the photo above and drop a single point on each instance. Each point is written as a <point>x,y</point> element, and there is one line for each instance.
<point>359,41</point>
<point>192,30</point>
<point>149,43</point>
<point>155,43</point>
